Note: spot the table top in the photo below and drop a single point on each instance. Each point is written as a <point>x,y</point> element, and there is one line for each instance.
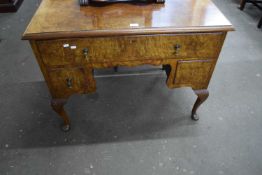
<point>65,19</point>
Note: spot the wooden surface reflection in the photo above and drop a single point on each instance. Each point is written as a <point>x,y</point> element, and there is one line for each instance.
<point>56,19</point>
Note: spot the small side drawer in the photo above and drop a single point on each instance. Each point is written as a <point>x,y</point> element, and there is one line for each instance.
<point>194,73</point>
<point>58,53</point>
<point>65,82</point>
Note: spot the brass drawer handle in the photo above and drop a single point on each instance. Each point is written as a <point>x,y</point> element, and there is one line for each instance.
<point>69,83</point>
<point>177,47</point>
<point>85,52</point>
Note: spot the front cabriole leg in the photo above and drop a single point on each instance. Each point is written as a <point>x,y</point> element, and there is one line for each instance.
<point>58,107</point>
<point>202,95</point>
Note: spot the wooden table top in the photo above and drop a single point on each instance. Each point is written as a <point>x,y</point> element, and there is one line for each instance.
<point>64,19</point>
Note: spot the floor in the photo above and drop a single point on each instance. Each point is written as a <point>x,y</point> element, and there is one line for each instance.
<point>134,124</point>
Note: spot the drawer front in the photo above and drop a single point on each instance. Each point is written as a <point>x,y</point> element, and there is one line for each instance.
<point>194,73</point>
<point>55,53</point>
<point>125,48</point>
<point>65,82</point>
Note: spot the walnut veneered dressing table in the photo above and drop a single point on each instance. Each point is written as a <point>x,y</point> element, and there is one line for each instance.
<point>69,41</point>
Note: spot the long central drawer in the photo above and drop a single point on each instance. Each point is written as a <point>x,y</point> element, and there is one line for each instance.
<point>125,48</point>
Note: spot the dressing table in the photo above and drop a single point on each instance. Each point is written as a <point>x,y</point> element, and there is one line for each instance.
<point>70,41</point>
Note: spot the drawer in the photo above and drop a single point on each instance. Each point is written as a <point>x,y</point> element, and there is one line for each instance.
<point>126,48</point>
<point>55,53</point>
<point>194,73</point>
<point>65,82</point>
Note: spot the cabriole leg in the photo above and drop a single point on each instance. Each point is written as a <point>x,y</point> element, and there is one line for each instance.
<point>260,22</point>
<point>58,107</point>
<point>242,4</point>
<point>201,97</point>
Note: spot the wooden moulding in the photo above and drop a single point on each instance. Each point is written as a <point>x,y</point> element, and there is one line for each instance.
<point>9,5</point>
<point>123,32</point>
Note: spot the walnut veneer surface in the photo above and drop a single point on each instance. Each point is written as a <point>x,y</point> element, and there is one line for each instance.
<point>69,41</point>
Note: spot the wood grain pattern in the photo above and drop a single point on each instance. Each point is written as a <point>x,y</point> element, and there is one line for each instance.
<point>185,37</point>
<point>66,82</point>
<point>194,73</point>
<point>108,49</point>
<point>195,46</point>
<point>41,64</point>
<point>191,67</point>
<point>66,19</point>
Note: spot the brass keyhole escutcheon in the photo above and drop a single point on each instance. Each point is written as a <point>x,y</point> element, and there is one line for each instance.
<point>177,47</point>
<point>69,82</point>
<point>85,52</point>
